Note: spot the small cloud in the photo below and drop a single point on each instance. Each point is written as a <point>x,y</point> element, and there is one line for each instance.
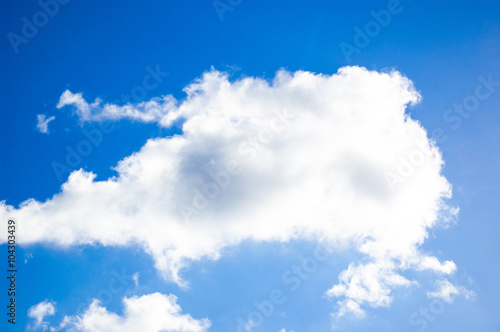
<point>296,139</point>
<point>447,291</point>
<point>43,123</point>
<point>39,312</point>
<point>135,277</point>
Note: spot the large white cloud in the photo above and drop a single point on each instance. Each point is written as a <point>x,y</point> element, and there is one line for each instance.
<point>319,157</point>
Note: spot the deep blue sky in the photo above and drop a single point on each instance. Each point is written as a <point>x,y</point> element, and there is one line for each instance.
<point>102,48</point>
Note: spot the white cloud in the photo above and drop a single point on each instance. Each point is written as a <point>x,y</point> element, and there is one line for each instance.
<point>39,312</point>
<point>43,123</point>
<point>148,111</point>
<point>135,277</point>
<point>369,283</point>
<point>447,291</point>
<point>149,313</point>
<point>312,152</point>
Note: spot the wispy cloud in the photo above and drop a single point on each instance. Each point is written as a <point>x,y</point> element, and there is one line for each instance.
<point>39,312</point>
<point>43,123</point>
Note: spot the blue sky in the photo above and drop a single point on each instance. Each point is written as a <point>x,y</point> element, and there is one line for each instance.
<point>105,50</point>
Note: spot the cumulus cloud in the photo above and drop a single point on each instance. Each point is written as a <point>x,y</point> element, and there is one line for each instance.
<point>38,313</point>
<point>154,110</point>
<point>304,156</point>
<point>149,313</point>
<point>43,123</point>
